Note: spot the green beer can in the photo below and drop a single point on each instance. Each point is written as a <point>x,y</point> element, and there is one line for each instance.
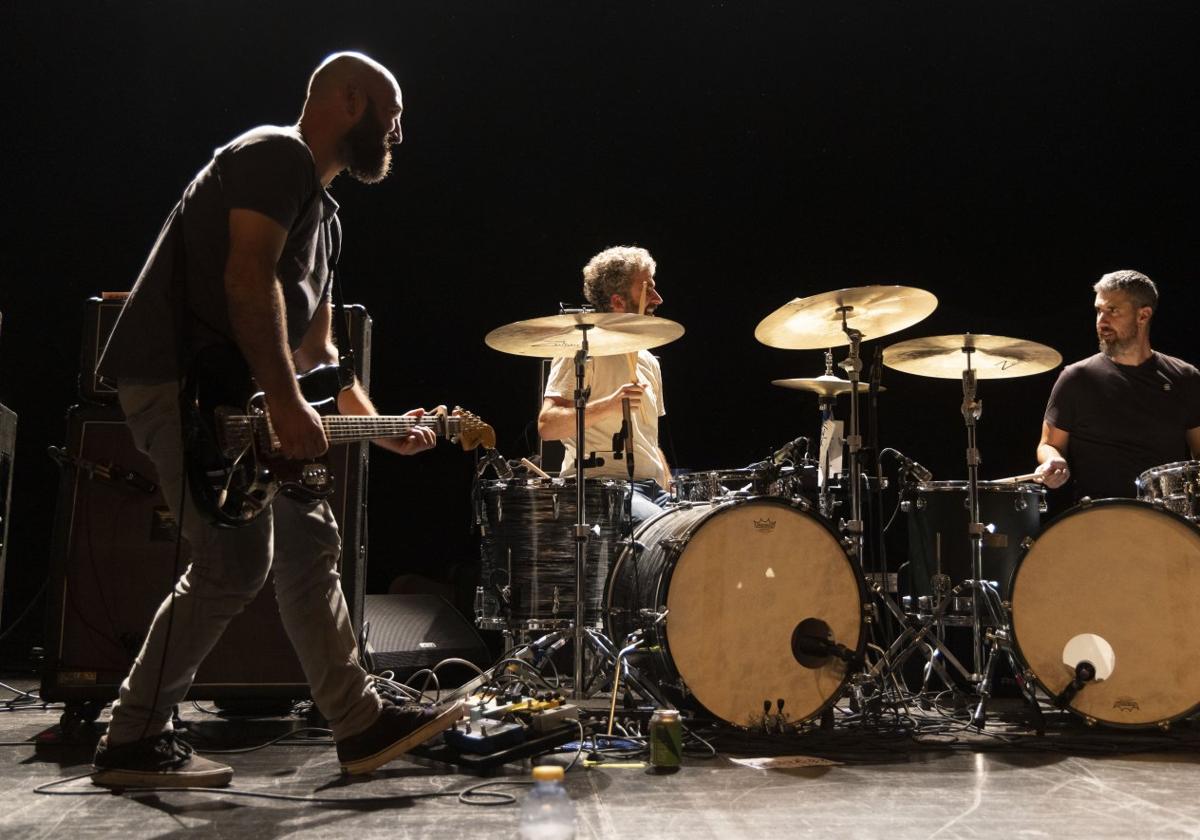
<point>666,739</point>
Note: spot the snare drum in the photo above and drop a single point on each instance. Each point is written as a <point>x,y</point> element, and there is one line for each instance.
<point>738,578</point>
<point>528,551</point>
<point>938,536</point>
<point>1174,486</point>
<point>1129,574</point>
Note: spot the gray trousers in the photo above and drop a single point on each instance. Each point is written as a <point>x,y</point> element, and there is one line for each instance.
<point>228,566</point>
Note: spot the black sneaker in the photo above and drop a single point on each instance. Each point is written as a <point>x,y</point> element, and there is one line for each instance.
<point>398,730</point>
<point>161,761</point>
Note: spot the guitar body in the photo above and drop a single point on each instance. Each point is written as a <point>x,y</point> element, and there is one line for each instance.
<point>235,477</point>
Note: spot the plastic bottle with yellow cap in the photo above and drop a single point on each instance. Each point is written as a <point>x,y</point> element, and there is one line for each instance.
<point>547,812</point>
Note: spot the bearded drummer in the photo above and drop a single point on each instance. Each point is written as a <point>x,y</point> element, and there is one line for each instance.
<point>618,279</point>
<point>1124,410</point>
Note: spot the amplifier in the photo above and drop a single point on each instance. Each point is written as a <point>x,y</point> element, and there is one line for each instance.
<point>112,558</point>
<point>8,444</point>
<point>100,316</point>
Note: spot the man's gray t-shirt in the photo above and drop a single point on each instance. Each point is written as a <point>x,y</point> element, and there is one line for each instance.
<point>269,170</point>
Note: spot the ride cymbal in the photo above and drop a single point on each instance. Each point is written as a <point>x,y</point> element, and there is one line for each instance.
<point>815,323</point>
<point>825,386</point>
<point>610,334</point>
<point>990,356</point>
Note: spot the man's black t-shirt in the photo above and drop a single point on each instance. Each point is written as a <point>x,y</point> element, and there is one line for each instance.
<point>1123,419</point>
<point>269,170</point>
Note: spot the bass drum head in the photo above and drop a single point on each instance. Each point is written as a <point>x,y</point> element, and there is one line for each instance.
<point>747,576</point>
<point>1130,574</point>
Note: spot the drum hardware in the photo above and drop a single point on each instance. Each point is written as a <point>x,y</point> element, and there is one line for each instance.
<point>839,318</point>
<point>986,357</point>
<point>1174,487</point>
<point>621,665</point>
<point>566,335</point>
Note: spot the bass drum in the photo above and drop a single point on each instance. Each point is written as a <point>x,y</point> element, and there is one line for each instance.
<point>738,578</point>
<point>1127,573</point>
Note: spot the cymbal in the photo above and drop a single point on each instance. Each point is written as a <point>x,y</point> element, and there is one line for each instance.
<point>825,386</point>
<point>991,356</point>
<point>611,334</point>
<point>815,323</point>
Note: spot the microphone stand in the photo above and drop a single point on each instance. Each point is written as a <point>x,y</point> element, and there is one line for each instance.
<point>627,443</point>
<point>877,493</point>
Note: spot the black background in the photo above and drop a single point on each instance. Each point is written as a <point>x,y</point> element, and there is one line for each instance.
<point>1001,156</point>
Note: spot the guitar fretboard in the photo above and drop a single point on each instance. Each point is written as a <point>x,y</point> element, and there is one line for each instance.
<point>239,429</point>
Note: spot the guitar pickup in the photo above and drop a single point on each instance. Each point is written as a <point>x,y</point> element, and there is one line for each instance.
<point>315,476</point>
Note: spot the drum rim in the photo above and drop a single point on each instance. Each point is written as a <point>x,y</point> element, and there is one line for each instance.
<point>962,485</point>
<point>536,482</point>
<point>1172,466</point>
<point>1083,505</point>
<point>717,507</point>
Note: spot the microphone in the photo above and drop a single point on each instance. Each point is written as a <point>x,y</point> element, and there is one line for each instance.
<point>920,473</point>
<point>627,430</point>
<point>786,451</point>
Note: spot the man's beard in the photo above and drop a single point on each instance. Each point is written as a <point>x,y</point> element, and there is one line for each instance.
<point>366,149</point>
<point>1114,346</point>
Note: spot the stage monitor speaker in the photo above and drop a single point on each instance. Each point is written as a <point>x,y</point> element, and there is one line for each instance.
<point>113,561</point>
<point>8,444</point>
<point>405,633</point>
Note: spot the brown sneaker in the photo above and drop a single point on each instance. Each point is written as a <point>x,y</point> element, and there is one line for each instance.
<point>397,730</point>
<point>161,761</point>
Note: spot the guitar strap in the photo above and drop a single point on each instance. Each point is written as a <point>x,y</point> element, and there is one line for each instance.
<point>341,320</point>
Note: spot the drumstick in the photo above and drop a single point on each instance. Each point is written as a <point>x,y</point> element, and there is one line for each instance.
<point>1037,478</point>
<point>533,468</point>
<point>631,358</point>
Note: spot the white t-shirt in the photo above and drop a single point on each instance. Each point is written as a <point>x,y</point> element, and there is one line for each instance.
<point>604,375</point>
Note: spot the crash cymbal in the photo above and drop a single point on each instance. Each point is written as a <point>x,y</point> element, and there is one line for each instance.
<point>825,386</point>
<point>611,334</point>
<point>815,323</point>
<point>991,356</point>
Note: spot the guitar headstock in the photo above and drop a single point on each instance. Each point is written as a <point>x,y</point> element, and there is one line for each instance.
<point>473,432</point>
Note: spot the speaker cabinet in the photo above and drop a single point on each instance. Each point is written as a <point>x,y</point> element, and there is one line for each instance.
<point>113,560</point>
<point>8,443</point>
<point>406,633</point>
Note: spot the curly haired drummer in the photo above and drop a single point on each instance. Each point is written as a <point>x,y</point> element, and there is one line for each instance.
<point>1124,410</point>
<point>617,279</point>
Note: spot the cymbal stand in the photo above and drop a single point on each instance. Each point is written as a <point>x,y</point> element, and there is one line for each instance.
<point>825,403</point>
<point>972,410</point>
<point>853,367</point>
<point>582,532</point>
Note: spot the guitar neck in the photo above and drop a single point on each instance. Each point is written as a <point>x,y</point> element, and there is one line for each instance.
<point>350,428</point>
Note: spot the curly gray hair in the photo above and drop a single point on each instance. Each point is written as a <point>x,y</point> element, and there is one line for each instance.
<point>1138,286</point>
<point>610,273</point>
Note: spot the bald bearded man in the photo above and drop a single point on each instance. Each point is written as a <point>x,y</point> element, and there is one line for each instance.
<point>243,265</point>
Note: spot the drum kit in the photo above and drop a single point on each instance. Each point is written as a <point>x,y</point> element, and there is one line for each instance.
<point>748,597</point>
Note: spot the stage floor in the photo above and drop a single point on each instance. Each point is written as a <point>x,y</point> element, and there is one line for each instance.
<point>935,780</point>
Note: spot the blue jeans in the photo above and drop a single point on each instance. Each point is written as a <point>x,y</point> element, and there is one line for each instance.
<point>649,499</point>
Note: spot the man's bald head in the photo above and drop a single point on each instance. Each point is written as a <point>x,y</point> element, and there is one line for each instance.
<point>352,69</point>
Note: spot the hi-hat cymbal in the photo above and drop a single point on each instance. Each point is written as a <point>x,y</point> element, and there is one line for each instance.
<point>815,323</point>
<point>991,356</point>
<point>825,386</point>
<point>610,334</point>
